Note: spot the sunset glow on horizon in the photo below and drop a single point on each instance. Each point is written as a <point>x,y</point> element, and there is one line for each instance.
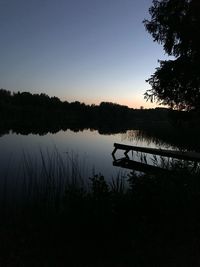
<point>88,51</point>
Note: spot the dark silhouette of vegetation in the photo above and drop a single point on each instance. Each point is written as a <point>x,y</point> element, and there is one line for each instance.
<point>25,112</point>
<point>56,219</point>
<point>52,215</point>
<point>175,24</point>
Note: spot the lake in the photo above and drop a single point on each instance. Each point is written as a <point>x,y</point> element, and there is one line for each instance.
<point>90,149</point>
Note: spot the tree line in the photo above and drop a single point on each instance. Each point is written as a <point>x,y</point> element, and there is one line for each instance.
<point>24,106</point>
<point>25,113</point>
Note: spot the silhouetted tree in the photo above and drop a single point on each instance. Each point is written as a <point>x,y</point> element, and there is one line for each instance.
<point>4,96</point>
<point>25,113</point>
<point>176,25</point>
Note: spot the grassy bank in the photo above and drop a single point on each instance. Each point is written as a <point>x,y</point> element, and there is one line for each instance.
<point>58,217</point>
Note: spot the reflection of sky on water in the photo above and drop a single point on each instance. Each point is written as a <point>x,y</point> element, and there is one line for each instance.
<point>93,150</point>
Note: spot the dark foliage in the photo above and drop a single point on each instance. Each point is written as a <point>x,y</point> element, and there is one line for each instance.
<point>32,113</point>
<point>176,25</point>
<point>154,222</point>
<point>27,113</point>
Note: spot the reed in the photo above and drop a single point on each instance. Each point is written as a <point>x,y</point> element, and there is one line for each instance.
<point>54,207</point>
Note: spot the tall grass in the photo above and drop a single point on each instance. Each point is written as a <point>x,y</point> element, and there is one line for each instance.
<point>40,183</point>
<point>138,220</point>
<point>43,182</point>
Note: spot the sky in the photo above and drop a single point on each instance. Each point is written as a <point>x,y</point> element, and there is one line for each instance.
<point>78,50</point>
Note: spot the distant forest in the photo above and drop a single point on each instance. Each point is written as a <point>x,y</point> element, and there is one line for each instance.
<point>24,112</point>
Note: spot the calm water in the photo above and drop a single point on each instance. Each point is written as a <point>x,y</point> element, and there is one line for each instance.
<point>92,150</point>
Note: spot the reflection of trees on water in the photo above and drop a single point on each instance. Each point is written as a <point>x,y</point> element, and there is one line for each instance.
<point>140,136</point>
<point>181,138</point>
<point>174,137</point>
<point>168,136</point>
<point>25,113</point>
<point>130,135</point>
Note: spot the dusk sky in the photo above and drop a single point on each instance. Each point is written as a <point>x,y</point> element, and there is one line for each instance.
<point>84,50</point>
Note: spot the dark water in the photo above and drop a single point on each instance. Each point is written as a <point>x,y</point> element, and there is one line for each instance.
<point>91,150</point>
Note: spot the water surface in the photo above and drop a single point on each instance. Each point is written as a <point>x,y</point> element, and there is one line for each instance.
<point>91,149</point>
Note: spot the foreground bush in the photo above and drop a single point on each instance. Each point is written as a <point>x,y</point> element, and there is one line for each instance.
<point>140,220</point>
